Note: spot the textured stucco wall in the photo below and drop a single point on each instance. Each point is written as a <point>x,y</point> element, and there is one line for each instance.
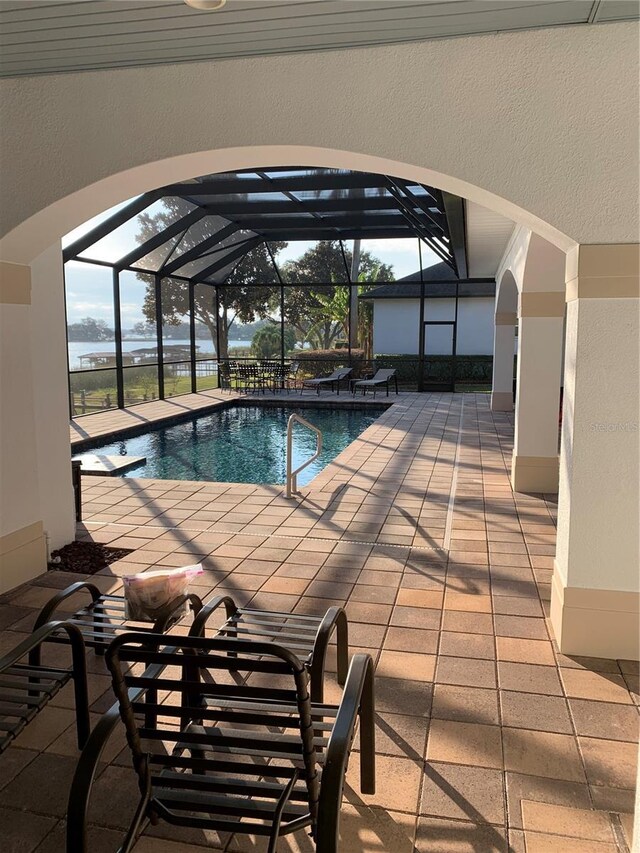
<point>20,501</point>
<point>546,120</point>
<point>50,399</point>
<point>598,503</point>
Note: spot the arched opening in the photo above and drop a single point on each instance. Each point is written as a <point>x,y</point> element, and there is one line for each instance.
<point>49,459</point>
<point>506,294</point>
<point>503,386</point>
<point>383,273</point>
<point>34,235</point>
<point>36,242</point>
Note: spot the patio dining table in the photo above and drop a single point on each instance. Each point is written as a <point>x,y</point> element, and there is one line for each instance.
<point>261,375</point>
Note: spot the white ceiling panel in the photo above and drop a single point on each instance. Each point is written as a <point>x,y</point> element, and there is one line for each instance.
<point>40,37</point>
<point>487,236</point>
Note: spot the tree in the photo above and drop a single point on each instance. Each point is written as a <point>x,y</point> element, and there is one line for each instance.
<point>266,341</point>
<point>89,329</point>
<point>245,293</point>
<point>320,312</point>
<point>143,330</point>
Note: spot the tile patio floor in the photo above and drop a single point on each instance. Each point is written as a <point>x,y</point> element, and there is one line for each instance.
<point>488,738</point>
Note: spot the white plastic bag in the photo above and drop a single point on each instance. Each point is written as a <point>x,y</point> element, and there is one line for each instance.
<point>148,596</point>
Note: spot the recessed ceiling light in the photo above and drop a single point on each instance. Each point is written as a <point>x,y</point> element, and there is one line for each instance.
<point>206,5</point>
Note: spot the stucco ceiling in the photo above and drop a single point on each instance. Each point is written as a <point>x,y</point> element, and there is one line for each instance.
<point>49,36</point>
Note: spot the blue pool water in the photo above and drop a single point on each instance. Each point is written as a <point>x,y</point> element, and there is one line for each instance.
<point>240,444</point>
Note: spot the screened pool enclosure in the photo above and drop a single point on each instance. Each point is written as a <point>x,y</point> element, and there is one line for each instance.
<point>167,289</point>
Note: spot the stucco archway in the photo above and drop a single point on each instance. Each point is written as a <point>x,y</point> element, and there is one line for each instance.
<point>29,239</point>
<point>504,342</point>
<point>507,293</point>
<point>32,250</point>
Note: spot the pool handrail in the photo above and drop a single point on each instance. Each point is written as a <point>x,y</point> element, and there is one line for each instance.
<point>292,476</point>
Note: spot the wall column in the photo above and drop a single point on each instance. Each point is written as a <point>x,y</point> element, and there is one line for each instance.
<point>594,599</point>
<point>51,397</point>
<point>535,462</point>
<point>503,351</point>
<point>22,540</point>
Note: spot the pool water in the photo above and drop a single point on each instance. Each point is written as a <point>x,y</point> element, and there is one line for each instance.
<point>243,444</point>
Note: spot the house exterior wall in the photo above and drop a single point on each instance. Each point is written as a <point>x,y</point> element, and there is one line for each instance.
<point>396,326</point>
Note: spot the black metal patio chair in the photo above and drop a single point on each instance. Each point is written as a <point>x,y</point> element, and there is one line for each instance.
<point>278,374</point>
<point>224,376</point>
<point>235,754</point>
<point>26,688</point>
<point>291,378</point>
<point>307,637</point>
<point>251,377</point>
<point>103,618</point>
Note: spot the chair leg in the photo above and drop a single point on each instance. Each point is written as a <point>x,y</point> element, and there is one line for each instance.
<point>136,824</point>
<point>277,817</point>
<point>83,779</point>
<point>357,701</point>
<point>81,695</point>
<point>367,736</point>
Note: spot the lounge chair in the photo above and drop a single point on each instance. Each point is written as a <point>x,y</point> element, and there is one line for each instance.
<point>249,755</point>
<point>382,377</point>
<point>25,688</point>
<point>336,378</point>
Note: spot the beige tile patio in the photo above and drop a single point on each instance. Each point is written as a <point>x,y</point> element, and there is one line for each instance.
<point>561,820</point>
<point>542,754</point>
<point>429,616</point>
<point>464,743</point>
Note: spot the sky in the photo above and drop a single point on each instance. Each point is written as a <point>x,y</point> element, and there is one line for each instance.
<point>89,287</point>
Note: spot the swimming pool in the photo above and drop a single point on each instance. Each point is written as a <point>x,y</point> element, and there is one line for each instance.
<point>241,444</point>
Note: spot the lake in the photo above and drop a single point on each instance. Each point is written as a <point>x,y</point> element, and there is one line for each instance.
<point>78,348</point>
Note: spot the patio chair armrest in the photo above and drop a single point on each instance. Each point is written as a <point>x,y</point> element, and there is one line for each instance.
<point>357,701</point>
<point>335,619</point>
<point>52,605</point>
<point>207,609</point>
<point>35,640</point>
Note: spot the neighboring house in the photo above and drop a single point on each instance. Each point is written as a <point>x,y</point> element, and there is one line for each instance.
<point>396,314</point>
